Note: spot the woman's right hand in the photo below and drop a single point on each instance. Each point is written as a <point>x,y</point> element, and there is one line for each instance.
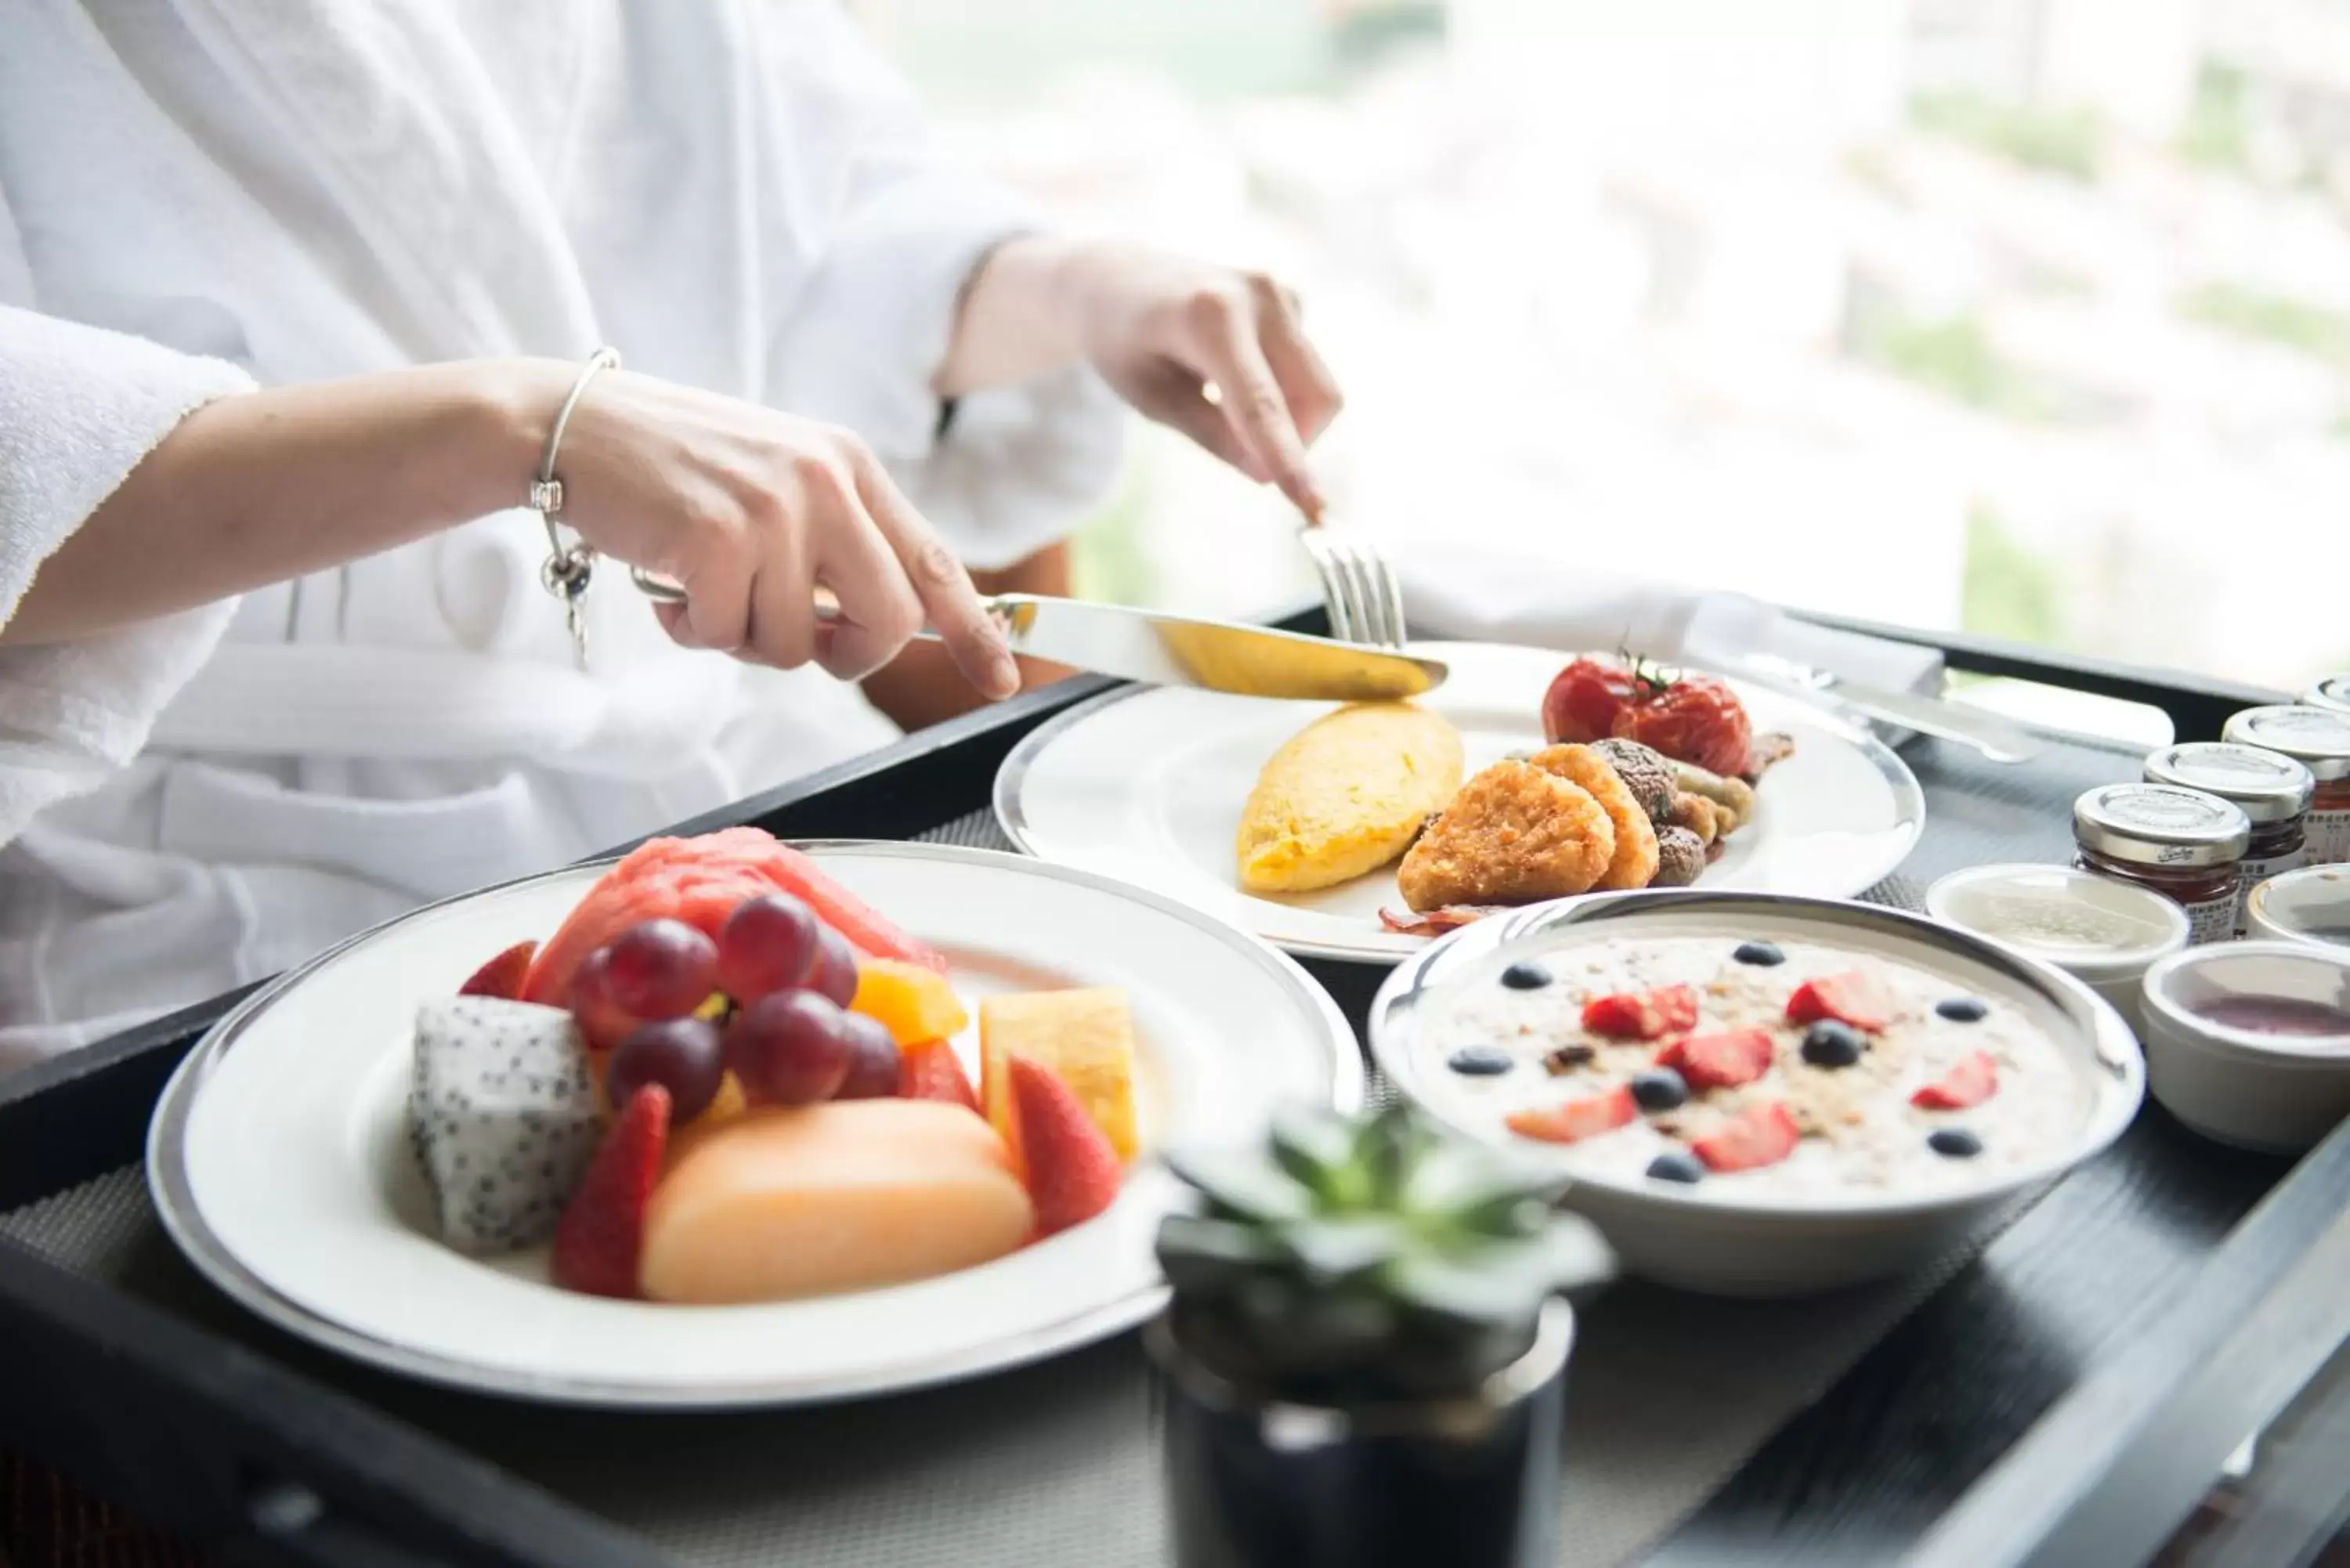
<point>749,510</point>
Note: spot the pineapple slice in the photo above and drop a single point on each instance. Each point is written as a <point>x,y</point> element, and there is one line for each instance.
<point>1084,1037</point>
<point>914,1003</point>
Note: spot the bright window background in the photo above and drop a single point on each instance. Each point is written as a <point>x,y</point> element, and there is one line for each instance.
<point>2031,316</point>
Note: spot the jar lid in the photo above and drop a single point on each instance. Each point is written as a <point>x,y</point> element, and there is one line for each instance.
<point>2268,785</point>
<point>2317,738</point>
<point>2162,824</point>
<point>2334,693</point>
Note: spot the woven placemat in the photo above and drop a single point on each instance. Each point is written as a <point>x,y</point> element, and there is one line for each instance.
<point>1056,1464</point>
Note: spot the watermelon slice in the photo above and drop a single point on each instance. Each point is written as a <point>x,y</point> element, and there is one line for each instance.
<point>700,880</point>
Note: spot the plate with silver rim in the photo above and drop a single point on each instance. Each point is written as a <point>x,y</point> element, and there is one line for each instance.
<point>1146,784</point>
<point>279,1160</point>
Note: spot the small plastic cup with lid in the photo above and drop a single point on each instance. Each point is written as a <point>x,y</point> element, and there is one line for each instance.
<point>2183,844</point>
<point>2319,740</point>
<point>2311,905</point>
<point>2273,790</point>
<point>2103,933</point>
<point>2250,1043</point>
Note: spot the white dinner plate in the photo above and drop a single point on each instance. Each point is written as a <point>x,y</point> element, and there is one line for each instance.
<point>279,1159</point>
<point>1146,785</point>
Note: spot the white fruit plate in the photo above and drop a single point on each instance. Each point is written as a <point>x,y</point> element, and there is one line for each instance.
<point>279,1159</point>
<point>1146,784</point>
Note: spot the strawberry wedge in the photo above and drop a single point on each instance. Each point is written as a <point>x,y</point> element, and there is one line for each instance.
<point>1642,1014</point>
<point>700,880</point>
<point>1762,1135</point>
<point>1721,1061</point>
<point>1974,1080</point>
<point>1852,998</point>
<point>1577,1119</point>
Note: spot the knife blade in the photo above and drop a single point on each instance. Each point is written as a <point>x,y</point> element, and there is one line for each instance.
<point>1175,650</point>
<point>1994,737</point>
<point>1218,656</point>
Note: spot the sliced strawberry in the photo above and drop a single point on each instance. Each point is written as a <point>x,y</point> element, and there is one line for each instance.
<point>1642,1014</point>
<point>502,976</point>
<point>601,1236</point>
<point>1849,998</point>
<point>1068,1163</point>
<point>1720,1061</point>
<point>1577,1119</point>
<point>1974,1080</point>
<point>1762,1135</point>
<point>929,1071</point>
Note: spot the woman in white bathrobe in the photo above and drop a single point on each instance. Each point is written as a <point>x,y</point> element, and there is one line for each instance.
<point>277,663</point>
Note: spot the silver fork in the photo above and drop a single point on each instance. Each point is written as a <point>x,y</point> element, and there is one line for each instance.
<point>1359,586</point>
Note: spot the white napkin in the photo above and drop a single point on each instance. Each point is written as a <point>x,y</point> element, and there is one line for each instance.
<point>1471,596</point>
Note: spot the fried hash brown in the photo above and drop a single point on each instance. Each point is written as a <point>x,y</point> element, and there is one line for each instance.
<point>1513,834</point>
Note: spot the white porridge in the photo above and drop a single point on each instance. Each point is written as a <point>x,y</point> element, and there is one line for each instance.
<point>1791,1067</point>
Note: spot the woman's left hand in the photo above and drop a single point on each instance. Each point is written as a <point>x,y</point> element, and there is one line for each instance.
<point>1215,352</point>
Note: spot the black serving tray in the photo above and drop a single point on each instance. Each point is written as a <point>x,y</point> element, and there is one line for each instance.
<point>2090,1338</point>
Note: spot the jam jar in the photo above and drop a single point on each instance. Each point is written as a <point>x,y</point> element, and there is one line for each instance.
<point>2334,693</point>
<point>2183,844</point>
<point>2319,740</point>
<point>2273,790</point>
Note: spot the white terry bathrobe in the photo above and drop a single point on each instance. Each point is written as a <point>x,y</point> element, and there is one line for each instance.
<point>734,193</point>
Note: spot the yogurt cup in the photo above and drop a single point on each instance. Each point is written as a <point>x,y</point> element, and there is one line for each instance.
<point>2248,1043</point>
<point>2103,932</point>
<point>2310,904</point>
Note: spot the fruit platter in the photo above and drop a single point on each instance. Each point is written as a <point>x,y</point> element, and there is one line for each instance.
<point>731,1121</point>
<point>1364,831</point>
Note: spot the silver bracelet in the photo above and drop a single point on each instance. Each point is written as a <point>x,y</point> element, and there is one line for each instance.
<point>568,566</point>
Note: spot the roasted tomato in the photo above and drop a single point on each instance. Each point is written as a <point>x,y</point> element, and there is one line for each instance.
<point>1584,700</point>
<point>1696,719</point>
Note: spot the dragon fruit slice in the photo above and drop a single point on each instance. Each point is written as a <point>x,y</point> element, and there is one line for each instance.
<point>503,1116</point>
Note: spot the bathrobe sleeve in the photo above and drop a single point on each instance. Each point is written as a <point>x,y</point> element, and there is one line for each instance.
<point>1013,468</point>
<point>79,408</point>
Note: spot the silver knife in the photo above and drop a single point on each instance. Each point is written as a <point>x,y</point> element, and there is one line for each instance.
<point>1179,651</point>
<point>1994,737</point>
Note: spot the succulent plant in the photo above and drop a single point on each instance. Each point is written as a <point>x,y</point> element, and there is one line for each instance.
<point>1355,1260</point>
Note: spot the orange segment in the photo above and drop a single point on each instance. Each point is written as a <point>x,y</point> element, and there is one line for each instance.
<point>1084,1037</point>
<point>911,1002</point>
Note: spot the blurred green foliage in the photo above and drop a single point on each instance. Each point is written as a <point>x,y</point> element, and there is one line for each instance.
<point>2280,319</point>
<point>2217,132</point>
<point>1955,356</point>
<point>2008,590</point>
<point>2068,142</point>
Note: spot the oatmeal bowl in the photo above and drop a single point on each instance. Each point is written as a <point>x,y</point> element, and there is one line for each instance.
<point>1762,1095</point>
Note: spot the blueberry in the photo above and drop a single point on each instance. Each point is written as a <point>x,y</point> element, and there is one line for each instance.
<point>1963,1010</point>
<point>1956,1142</point>
<point>1675,1167</point>
<point>1659,1089</point>
<point>1524,975</point>
<point>1481,1060</point>
<point>1762,955</point>
<point>1829,1044</point>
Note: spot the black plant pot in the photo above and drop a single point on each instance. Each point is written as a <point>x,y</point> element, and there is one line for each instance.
<point>1473,1482</point>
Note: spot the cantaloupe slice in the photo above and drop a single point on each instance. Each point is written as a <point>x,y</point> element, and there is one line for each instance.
<point>1084,1037</point>
<point>779,1203</point>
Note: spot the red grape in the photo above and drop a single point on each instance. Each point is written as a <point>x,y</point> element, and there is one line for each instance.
<point>873,1059</point>
<point>834,974</point>
<point>768,944</point>
<point>683,1055</point>
<point>602,1020</point>
<point>789,1048</point>
<point>662,968</point>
